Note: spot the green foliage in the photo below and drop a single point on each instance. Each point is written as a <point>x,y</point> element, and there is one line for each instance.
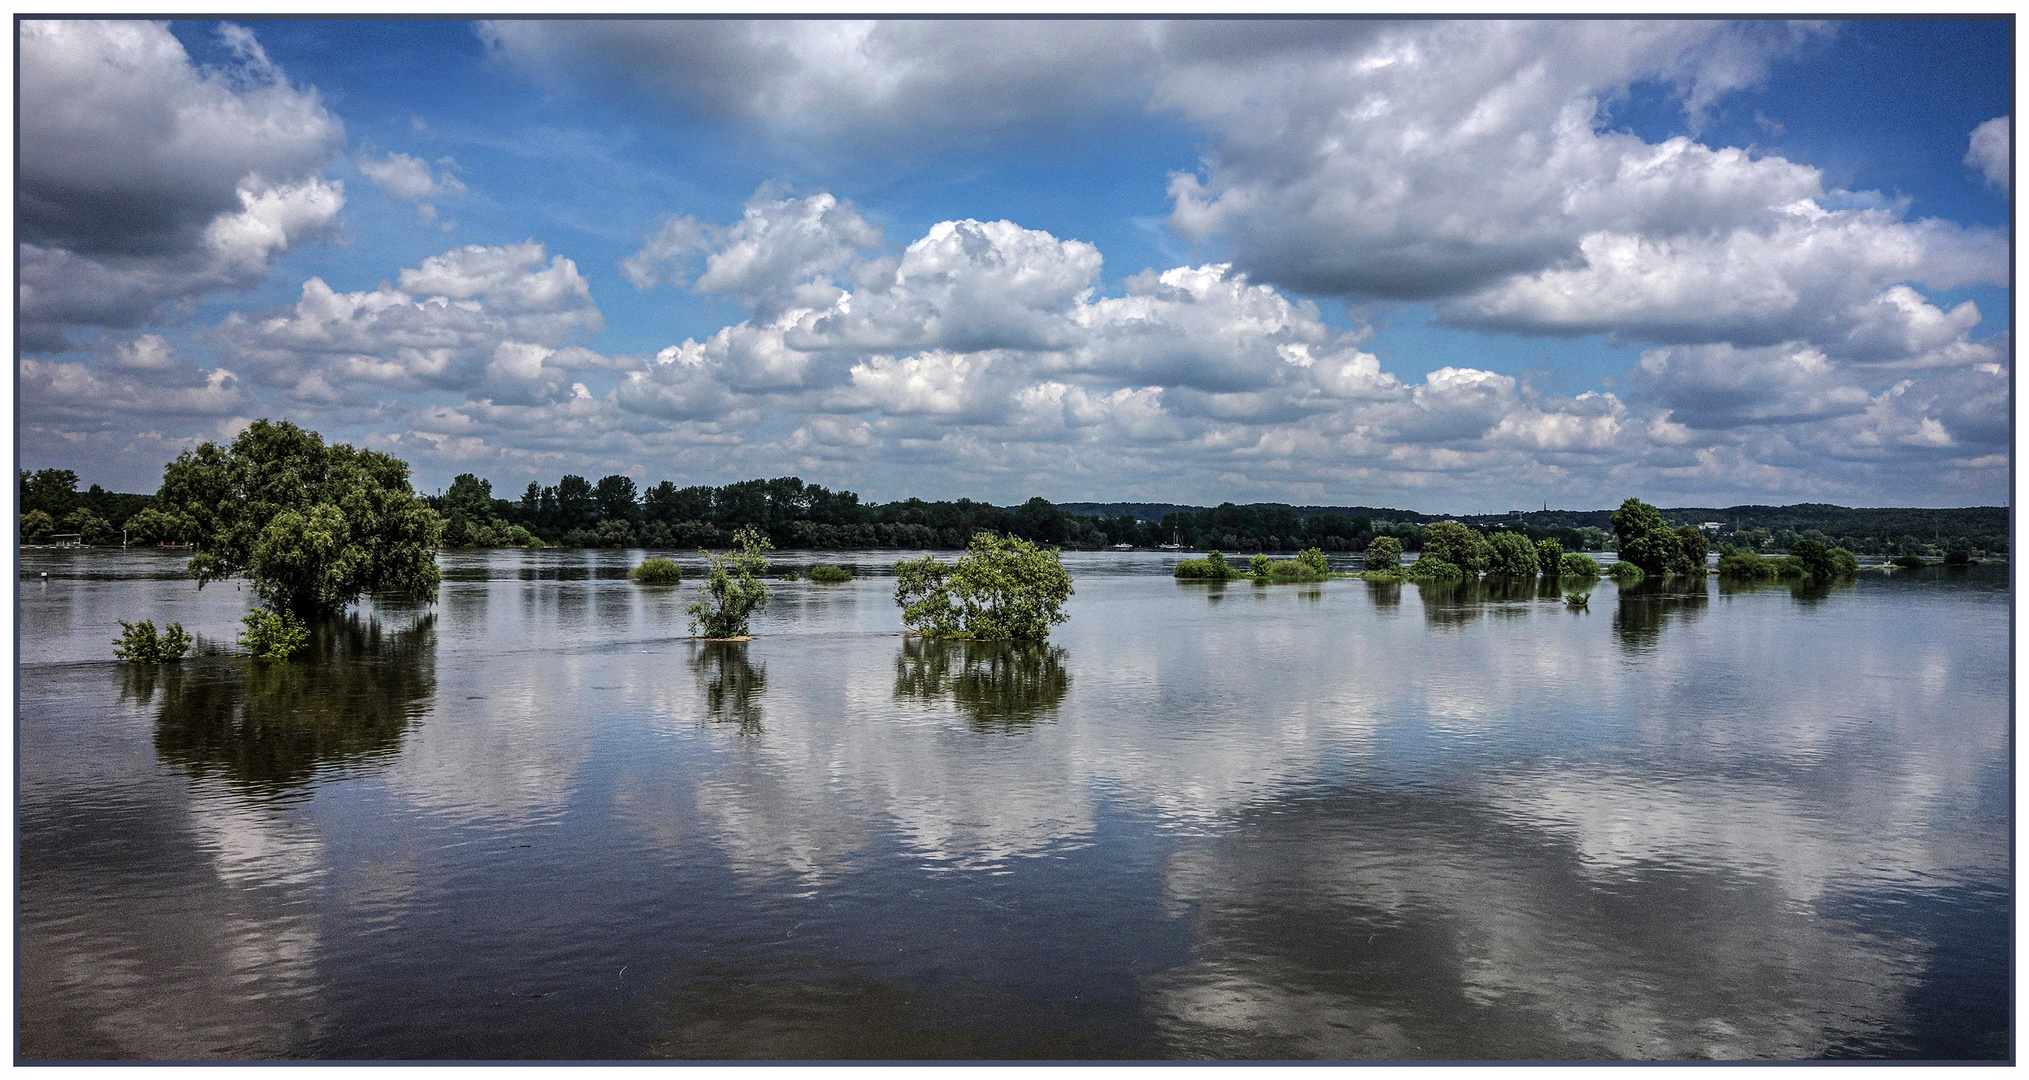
<point>1958,557</point>
<point>1513,555</point>
<point>1002,588</point>
<point>827,574</point>
<point>1385,553</point>
<point>1549,557</point>
<point>274,635</point>
<point>36,527</point>
<point>1577,565</point>
<point>52,491</point>
<point>1213,567</point>
<point>1258,566</point>
<point>657,571</point>
<point>1645,540</point>
<point>139,644</point>
<point>92,530</point>
<point>314,526</point>
<point>1309,565</point>
<point>1824,564</point>
<point>1625,572</point>
<point>1428,567</point>
<point>152,525</point>
<point>1907,562</point>
<point>733,590</point>
<point>1692,548</point>
<point>1745,564</point>
<point>1457,545</point>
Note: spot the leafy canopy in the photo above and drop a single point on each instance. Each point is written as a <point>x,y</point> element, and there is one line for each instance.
<point>314,526</point>
<point>1002,588</point>
<point>734,589</point>
<point>1645,539</point>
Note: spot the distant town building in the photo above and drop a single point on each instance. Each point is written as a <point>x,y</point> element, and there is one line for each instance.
<point>1712,527</point>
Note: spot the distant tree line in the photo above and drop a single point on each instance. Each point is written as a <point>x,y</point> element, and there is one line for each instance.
<point>616,512</point>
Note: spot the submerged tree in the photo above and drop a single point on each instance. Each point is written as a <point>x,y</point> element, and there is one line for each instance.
<point>1645,539</point>
<point>733,590</point>
<point>314,526</point>
<point>1002,588</point>
<point>1385,553</point>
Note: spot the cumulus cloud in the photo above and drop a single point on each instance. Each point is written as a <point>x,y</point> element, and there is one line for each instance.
<point>486,321</point>
<point>834,80</point>
<point>1988,151</point>
<point>1340,175</point>
<point>411,178</point>
<point>1334,164</point>
<point>147,180</point>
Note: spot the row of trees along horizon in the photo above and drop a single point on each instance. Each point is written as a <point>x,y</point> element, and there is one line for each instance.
<point>614,512</point>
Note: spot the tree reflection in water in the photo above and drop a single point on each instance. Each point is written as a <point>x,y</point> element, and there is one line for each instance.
<point>1651,603</point>
<point>731,684</point>
<point>269,726</point>
<point>999,685</point>
<point>1454,603</point>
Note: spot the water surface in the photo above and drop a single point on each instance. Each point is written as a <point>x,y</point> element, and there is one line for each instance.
<point>1343,820</point>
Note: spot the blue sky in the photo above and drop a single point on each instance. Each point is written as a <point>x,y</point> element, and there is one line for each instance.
<point>1454,266</point>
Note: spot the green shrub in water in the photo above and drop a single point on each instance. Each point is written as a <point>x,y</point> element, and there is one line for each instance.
<point>1385,553</point>
<point>1625,572</point>
<point>1003,588</point>
<point>140,644</point>
<point>657,571</point>
<point>733,590</point>
<point>1428,567</point>
<point>1213,567</point>
<point>827,574</point>
<point>1577,565</point>
<point>273,635</point>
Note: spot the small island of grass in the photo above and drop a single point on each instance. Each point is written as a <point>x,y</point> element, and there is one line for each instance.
<point>657,571</point>
<point>827,574</point>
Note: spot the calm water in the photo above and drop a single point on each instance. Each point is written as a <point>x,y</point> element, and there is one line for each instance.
<point>1334,821</point>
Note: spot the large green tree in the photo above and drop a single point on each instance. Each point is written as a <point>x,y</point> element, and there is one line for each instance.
<point>1459,545</point>
<point>315,527</point>
<point>1645,539</point>
<point>1514,555</point>
<point>1003,588</point>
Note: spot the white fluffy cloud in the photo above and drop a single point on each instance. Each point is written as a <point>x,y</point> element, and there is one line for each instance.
<point>146,180</point>
<point>1988,151</point>
<point>411,178</point>
<point>491,322</point>
<point>1371,159</point>
<point>1340,175</point>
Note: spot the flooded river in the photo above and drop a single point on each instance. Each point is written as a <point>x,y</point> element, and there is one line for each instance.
<point>1343,820</point>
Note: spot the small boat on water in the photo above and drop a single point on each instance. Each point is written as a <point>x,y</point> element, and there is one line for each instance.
<point>1173,545</point>
<point>1123,547</point>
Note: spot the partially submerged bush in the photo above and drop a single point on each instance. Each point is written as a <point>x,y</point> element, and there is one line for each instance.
<point>1513,555</point>
<point>1959,557</point>
<point>1550,557</point>
<point>273,635</point>
<point>138,643</point>
<point>1428,567</point>
<point>1258,566</point>
<point>1907,562</point>
<point>657,571</point>
<point>827,574</point>
<point>1213,567</point>
<point>1744,564</point>
<point>1002,588</point>
<point>1625,572</point>
<point>1309,565</point>
<point>1385,553</point>
<point>1824,564</point>
<point>1577,565</point>
<point>733,590</point>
